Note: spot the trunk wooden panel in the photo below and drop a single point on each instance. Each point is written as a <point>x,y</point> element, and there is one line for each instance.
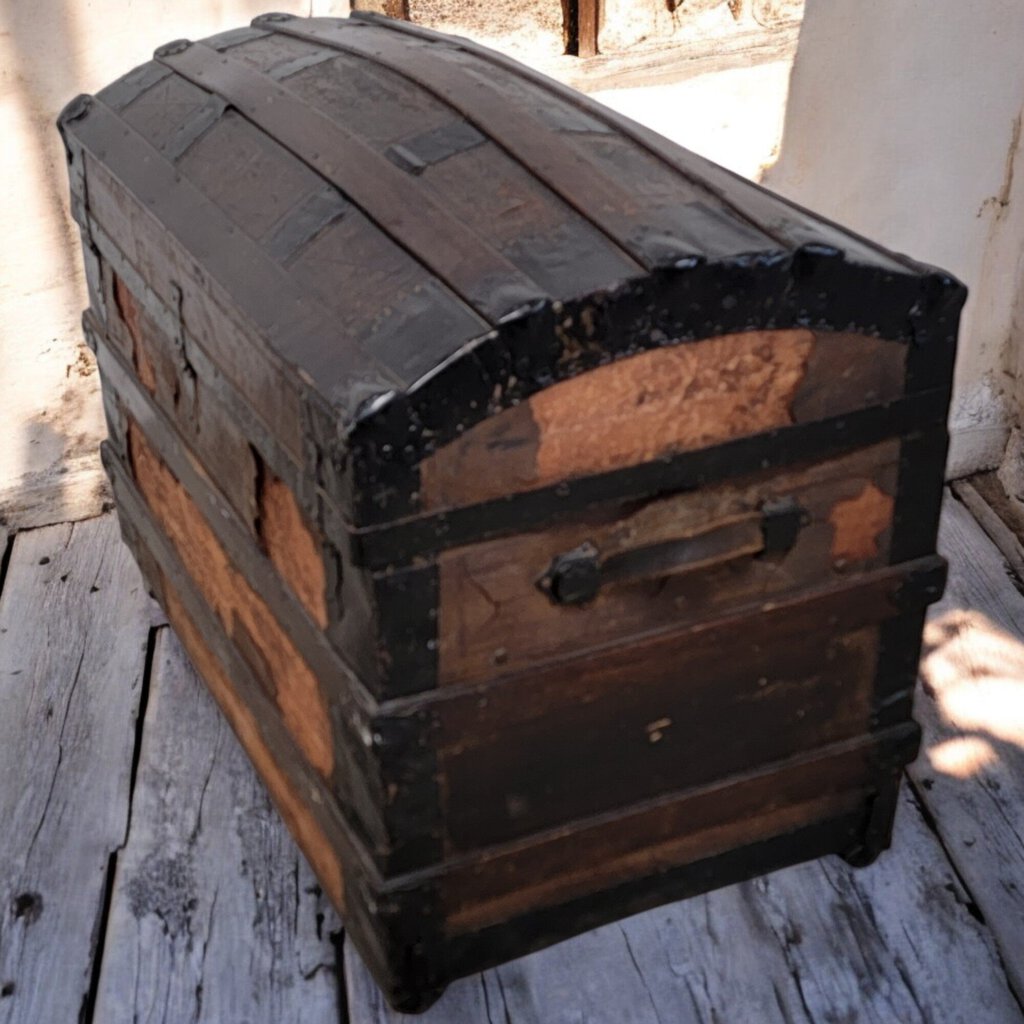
<point>227,454</point>
<point>647,406</point>
<point>265,505</point>
<point>245,616</point>
<point>165,265</point>
<point>550,512</point>
<point>648,719</point>
<point>667,833</point>
<point>494,619</point>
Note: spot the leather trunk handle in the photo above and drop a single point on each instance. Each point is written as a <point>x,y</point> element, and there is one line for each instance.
<point>576,577</point>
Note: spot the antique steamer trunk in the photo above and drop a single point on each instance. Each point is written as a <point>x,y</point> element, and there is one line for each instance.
<point>551,512</point>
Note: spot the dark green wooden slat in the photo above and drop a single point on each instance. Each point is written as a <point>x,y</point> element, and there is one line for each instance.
<point>458,256</point>
<point>294,326</point>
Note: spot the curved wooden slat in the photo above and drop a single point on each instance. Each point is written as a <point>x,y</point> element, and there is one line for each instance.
<point>471,267</point>
<point>521,132</point>
<point>240,275</point>
<point>754,207</point>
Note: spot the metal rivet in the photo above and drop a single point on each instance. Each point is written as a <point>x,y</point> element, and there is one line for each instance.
<point>170,49</point>
<point>77,108</point>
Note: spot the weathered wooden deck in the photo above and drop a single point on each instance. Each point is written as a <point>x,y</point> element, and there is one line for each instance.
<point>144,876</point>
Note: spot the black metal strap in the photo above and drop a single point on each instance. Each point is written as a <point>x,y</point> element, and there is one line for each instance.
<point>471,267</point>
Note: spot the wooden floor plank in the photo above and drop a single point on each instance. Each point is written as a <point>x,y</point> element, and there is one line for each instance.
<point>215,915</point>
<point>980,495</point>
<point>74,624</point>
<point>817,943</point>
<point>971,771</point>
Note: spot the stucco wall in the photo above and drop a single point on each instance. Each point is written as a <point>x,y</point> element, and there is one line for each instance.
<point>50,50</point>
<point>904,122</point>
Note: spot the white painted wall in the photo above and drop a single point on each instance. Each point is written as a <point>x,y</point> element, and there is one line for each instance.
<point>904,123</point>
<point>51,421</point>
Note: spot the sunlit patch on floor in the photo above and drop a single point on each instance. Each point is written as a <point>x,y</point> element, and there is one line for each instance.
<point>974,670</point>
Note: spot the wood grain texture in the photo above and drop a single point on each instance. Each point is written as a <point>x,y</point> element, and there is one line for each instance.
<point>573,861</point>
<point>634,410</point>
<point>986,499</point>
<point>664,401</point>
<point>243,613</point>
<point>74,625</point>
<point>187,396</point>
<point>127,405</point>
<point>494,620</point>
<point>812,944</point>
<point>607,733</point>
<point>291,545</point>
<point>125,225</point>
<point>588,27</point>
<point>67,491</point>
<point>668,400</point>
<point>215,915</point>
<point>971,708</point>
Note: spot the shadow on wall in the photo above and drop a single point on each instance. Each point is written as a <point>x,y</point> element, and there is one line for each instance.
<point>52,421</point>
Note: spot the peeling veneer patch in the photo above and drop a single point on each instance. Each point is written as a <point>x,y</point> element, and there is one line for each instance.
<point>858,523</point>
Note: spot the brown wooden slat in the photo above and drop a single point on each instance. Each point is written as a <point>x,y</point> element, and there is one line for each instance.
<point>465,262</point>
<point>748,203</point>
<point>353,786</point>
<point>659,403</point>
<point>563,864</point>
<point>256,574</point>
<point>623,735</point>
<point>524,134</point>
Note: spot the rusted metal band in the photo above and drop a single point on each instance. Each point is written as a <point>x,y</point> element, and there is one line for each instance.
<point>756,208</point>
<point>524,135</point>
<point>473,269</point>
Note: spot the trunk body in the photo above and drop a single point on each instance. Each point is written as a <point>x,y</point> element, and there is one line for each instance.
<point>551,513</point>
